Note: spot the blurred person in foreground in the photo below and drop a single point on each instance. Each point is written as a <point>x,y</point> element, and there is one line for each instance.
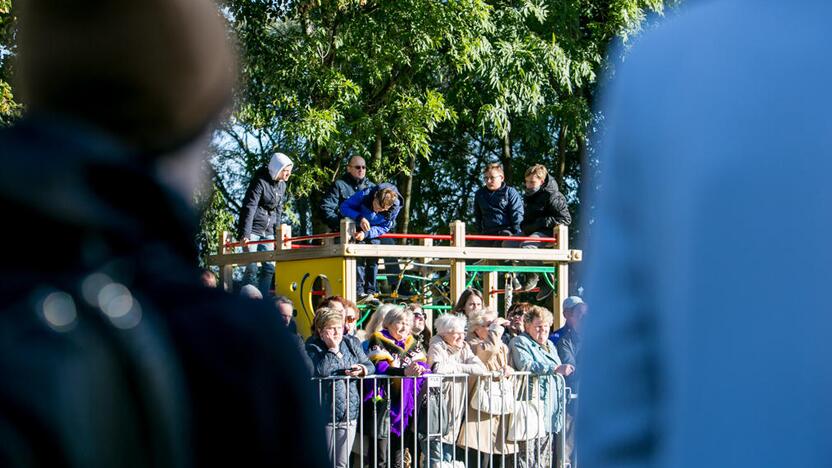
<point>708,344</point>
<point>112,351</point>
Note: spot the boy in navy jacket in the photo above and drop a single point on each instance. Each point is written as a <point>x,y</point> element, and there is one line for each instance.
<point>498,208</point>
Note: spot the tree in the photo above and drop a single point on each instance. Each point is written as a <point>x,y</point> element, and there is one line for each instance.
<point>9,109</point>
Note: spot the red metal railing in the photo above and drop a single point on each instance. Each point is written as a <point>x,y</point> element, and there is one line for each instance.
<point>510,238</point>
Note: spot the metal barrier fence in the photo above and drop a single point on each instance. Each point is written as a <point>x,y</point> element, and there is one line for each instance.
<point>445,421</point>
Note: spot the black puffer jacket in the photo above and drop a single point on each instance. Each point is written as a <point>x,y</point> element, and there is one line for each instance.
<point>159,371</point>
<point>341,190</point>
<point>545,208</point>
<point>327,364</point>
<point>262,206</point>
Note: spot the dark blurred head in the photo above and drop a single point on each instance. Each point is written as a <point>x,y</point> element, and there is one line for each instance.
<point>209,280</point>
<point>156,73</point>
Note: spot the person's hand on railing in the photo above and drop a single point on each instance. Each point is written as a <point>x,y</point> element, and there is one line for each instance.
<point>565,370</point>
<point>356,370</point>
<point>507,371</point>
<point>359,236</point>
<point>414,370</point>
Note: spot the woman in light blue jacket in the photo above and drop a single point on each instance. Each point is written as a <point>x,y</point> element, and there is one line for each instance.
<point>532,352</point>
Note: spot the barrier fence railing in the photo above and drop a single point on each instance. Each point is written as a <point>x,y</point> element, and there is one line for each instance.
<point>445,420</point>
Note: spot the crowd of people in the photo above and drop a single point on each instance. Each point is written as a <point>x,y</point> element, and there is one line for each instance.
<point>380,375</point>
<point>499,209</point>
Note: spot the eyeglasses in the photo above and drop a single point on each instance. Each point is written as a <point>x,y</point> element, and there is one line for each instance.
<point>359,167</point>
<point>350,319</point>
<point>493,177</point>
<point>419,314</point>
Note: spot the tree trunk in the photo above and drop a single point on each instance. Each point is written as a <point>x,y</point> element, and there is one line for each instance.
<point>561,157</point>
<point>324,159</point>
<point>408,195</point>
<point>302,205</point>
<point>377,153</point>
<point>507,156</point>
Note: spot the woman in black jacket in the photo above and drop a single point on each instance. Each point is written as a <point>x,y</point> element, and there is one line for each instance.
<point>334,356</point>
<point>260,215</point>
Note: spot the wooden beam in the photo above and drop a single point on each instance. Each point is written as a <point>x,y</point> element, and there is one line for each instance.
<point>490,283</point>
<point>562,287</point>
<point>458,263</point>
<point>226,271</point>
<point>464,253</point>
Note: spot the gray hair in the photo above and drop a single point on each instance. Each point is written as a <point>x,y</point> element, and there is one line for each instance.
<point>374,323</point>
<point>283,300</point>
<point>448,323</point>
<point>251,292</point>
<point>481,317</point>
<point>395,315</point>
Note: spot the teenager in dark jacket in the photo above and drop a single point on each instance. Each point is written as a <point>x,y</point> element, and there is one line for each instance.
<point>544,208</point>
<point>374,211</point>
<point>261,214</point>
<point>498,208</point>
<point>112,352</point>
<point>332,355</point>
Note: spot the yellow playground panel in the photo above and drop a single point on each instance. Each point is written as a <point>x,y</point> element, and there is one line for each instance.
<point>297,279</point>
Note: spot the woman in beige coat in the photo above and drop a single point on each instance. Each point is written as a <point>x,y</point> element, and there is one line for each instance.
<point>483,433</point>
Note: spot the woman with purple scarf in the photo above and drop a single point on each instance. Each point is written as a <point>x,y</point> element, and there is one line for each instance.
<point>396,353</point>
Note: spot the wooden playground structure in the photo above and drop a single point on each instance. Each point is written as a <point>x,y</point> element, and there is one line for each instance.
<point>305,272</point>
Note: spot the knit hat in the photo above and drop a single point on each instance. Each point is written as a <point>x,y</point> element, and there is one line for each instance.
<point>154,73</point>
<point>277,163</point>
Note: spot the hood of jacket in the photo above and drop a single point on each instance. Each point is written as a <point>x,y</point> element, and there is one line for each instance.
<point>277,163</point>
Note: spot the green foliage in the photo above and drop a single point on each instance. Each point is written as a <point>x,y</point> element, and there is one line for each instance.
<point>442,86</point>
<point>9,109</point>
<point>215,219</point>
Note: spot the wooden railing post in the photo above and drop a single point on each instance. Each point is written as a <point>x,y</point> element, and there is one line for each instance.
<point>425,272</point>
<point>350,274</point>
<point>283,231</point>
<point>226,271</point>
<point>457,265</point>
<point>562,287</point>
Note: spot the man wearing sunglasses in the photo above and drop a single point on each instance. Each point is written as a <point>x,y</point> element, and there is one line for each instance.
<point>354,180</point>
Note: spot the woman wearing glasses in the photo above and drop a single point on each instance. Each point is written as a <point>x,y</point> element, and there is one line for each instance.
<point>421,332</point>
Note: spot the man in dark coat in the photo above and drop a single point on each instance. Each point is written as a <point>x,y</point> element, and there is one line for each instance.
<point>112,353</point>
<point>261,214</point>
<point>544,207</point>
<point>353,181</point>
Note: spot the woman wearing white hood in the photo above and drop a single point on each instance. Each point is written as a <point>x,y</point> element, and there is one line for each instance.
<point>260,215</point>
